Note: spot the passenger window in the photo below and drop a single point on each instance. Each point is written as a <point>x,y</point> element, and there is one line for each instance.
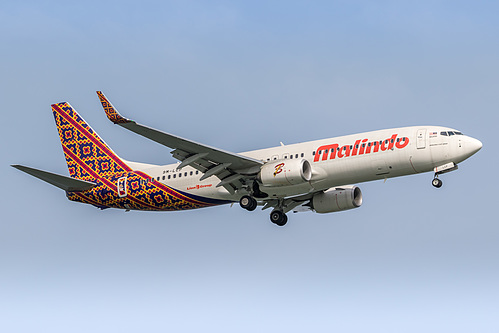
<point>191,173</point>
<point>302,154</point>
<point>197,172</point>
<point>163,177</point>
<point>169,176</point>
<point>296,156</point>
<point>290,157</point>
<point>313,153</point>
<point>185,174</point>
<point>180,175</point>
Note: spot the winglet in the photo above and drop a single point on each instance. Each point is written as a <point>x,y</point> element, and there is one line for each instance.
<point>111,112</point>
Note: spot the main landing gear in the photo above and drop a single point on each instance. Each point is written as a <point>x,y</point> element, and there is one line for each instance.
<point>436,182</point>
<point>277,216</point>
<point>248,203</point>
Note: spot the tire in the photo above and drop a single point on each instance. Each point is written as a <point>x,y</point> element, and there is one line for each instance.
<point>248,203</point>
<point>437,183</point>
<point>245,201</point>
<point>278,217</point>
<point>253,206</point>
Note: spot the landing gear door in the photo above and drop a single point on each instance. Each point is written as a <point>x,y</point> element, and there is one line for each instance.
<point>421,139</point>
<point>121,187</point>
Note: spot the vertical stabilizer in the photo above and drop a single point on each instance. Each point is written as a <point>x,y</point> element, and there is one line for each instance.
<point>87,155</point>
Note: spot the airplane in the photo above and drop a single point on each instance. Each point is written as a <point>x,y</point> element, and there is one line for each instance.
<point>310,176</point>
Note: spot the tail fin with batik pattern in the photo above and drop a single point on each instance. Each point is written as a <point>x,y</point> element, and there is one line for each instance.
<point>87,155</point>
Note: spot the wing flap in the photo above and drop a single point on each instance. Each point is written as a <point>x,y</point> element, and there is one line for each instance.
<point>63,182</point>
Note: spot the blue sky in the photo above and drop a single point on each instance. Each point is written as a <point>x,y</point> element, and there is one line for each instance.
<point>242,76</point>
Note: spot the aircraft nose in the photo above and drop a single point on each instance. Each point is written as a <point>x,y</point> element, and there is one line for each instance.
<point>473,145</point>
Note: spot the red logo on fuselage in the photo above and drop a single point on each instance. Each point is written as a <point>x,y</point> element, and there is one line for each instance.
<point>361,147</point>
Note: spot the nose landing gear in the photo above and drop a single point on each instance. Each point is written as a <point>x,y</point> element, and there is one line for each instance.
<point>440,170</point>
<point>436,182</point>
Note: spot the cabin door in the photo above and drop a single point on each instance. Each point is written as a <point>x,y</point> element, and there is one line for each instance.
<point>421,139</point>
<point>121,187</point>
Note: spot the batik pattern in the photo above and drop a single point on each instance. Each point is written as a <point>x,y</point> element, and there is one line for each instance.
<point>87,155</point>
<point>89,158</point>
<point>142,194</point>
<point>111,112</point>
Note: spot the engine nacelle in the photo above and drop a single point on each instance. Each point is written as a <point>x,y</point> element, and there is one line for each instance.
<point>337,199</point>
<point>285,172</point>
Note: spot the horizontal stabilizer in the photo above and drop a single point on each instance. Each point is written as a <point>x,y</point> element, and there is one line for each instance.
<point>63,182</point>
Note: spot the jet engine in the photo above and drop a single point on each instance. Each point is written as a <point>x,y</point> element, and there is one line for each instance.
<point>285,172</point>
<point>337,199</point>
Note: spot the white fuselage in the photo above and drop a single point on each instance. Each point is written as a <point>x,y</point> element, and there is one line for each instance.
<point>338,161</point>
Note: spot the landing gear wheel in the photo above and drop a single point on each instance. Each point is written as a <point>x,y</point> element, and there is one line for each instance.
<point>278,217</point>
<point>248,203</point>
<point>253,206</point>
<point>436,182</point>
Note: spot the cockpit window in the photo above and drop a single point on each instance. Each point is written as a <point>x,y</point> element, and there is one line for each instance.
<point>449,133</point>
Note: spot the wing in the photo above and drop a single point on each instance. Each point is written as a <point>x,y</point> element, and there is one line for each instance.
<point>233,170</point>
<point>66,183</point>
